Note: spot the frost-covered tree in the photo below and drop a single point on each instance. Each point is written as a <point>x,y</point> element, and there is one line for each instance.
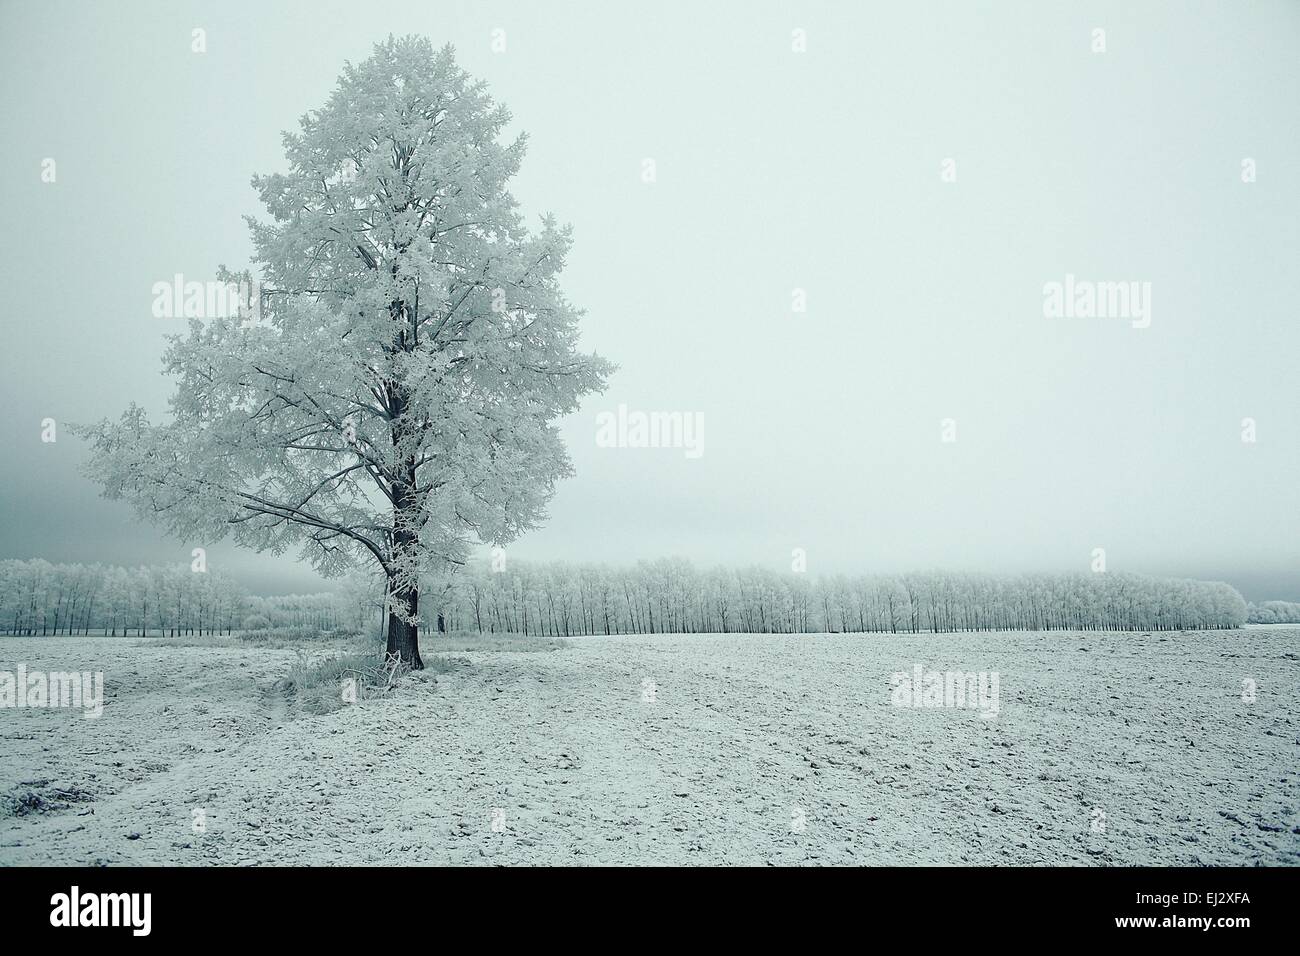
<point>393,398</point>
<point>1274,612</point>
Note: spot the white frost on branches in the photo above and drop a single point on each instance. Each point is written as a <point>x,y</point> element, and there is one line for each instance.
<point>395,399</point>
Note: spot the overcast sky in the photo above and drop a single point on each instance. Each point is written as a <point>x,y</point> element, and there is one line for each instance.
<point>776,170</point>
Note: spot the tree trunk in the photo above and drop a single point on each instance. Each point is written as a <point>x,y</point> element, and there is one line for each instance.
<point>404,636</point>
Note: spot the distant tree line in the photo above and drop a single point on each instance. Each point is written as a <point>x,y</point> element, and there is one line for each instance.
<point>1274,612</point>
<point>325,611</point>
<point>38,597</point>
<point>672,596</point>
<point>669,596</point>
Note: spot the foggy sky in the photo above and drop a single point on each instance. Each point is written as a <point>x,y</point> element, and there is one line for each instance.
<point>776,171</point>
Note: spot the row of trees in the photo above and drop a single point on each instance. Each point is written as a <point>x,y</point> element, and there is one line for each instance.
<point>37,597</point>
<point>673,596</point>
<point>1274,612</point>
<point>325,611</point>
<point>666,596</point>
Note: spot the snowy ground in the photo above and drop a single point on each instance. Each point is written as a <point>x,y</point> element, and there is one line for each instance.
<point>744,749</point>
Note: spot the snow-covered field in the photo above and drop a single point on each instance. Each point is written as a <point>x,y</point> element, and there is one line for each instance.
<point>1106,748</point>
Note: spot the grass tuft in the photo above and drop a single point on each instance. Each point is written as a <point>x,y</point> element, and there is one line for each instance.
<point>324,686</point>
